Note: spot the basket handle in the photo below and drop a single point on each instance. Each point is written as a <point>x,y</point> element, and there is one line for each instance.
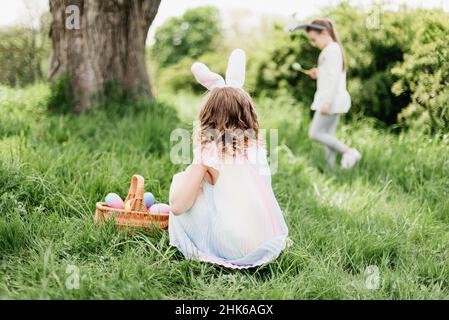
<point>136,191</point>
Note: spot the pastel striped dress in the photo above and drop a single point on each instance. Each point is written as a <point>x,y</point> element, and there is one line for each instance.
<point>237,222</point>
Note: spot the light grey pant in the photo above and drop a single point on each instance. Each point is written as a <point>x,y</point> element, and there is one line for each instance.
<point>323,129</point>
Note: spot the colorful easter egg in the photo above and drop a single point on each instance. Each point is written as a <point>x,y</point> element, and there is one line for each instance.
<point>129,204</point>
<point>159,208</point>
<point>113,200</point>
<point>148,198</point>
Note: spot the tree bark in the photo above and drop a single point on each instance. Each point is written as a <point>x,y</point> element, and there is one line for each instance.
<point>108,46</point>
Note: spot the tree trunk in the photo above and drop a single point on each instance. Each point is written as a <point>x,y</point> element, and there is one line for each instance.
<point>108,45</point>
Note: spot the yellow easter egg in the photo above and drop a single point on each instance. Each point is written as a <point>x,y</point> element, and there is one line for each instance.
<point>129,204</point>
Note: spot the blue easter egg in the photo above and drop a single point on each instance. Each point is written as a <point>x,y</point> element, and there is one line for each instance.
<point>148,199</point>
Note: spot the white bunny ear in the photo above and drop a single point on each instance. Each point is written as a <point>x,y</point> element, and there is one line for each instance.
<point>206,77</point>
<point>235,74</point>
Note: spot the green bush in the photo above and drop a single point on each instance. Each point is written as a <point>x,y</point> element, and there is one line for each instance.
<point>425,73</point>
<point>271,68</point>
<point>373,51</point>
<point>21,49</point>
<point>24,53</point>
<point>191,35</point>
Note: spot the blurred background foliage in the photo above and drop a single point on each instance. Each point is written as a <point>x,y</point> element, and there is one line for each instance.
<point>397,70</point>
<point>197,31</point>
<point>24,53</point>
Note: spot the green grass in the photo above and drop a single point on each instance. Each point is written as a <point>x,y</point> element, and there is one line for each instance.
<point>391,212</point>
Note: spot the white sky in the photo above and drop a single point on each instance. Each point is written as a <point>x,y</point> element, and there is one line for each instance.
<point>28,11</point>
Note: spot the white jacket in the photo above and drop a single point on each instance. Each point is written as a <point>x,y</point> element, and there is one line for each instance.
<point>331,81</point>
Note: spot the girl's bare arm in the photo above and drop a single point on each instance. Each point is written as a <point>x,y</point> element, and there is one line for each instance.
<point>185,187</point>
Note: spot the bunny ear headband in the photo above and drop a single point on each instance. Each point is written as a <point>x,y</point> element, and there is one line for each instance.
<point>235,73</point>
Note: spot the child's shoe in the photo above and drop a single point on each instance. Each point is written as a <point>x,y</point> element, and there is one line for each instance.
<point>350,158</point>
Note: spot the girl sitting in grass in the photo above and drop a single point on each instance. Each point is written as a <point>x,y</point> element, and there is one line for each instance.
<point>223,209</point>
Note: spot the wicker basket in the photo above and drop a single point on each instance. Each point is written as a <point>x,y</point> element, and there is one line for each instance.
<point>138,217</point>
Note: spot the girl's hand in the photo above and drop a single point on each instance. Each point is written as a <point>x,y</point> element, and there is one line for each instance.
<point>325,108</point>
<point>313,73</point>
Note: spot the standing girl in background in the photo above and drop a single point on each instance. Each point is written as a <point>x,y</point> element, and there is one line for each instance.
<point>223,209</point>
<point>331,98</point>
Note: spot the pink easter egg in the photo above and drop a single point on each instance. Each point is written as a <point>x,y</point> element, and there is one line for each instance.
<point>117,204</point>
<point>113,200</point>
